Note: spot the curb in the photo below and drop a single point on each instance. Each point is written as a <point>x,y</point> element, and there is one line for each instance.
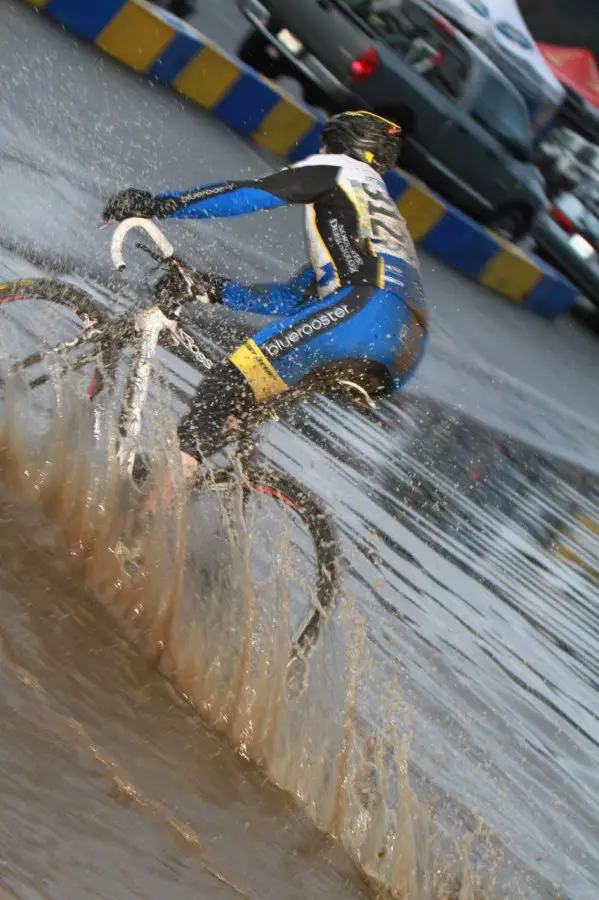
<point>155,43</point>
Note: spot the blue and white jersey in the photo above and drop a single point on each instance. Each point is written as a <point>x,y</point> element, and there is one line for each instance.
<point>355,232</point>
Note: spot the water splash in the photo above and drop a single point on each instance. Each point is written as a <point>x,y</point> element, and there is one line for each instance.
<point>222,638</point>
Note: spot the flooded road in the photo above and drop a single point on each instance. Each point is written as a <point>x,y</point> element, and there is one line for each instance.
<point>448,737</point>
<point>109,787</point>
<point>449,723</point>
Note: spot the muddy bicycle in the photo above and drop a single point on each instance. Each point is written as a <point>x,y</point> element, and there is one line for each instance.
<point>97,343</point>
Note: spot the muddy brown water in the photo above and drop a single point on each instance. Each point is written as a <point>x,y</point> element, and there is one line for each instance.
<point>110,784</point>
<point>149,744</point>
<point>449,734</point>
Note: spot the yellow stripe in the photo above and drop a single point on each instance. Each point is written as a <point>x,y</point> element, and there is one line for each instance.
<point>38,3</point>
<point>510,272</point>
<point>257,370</point>
<point>569,554</point>
<point>366,112</point>
<point>207,77</point>
<point>136,36</point>
<point>589,523</point>
<point>283,127</point>
<point>420,210</point>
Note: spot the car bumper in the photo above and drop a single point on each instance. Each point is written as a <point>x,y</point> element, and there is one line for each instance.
<point>553,242</point>
<point>307,67</point>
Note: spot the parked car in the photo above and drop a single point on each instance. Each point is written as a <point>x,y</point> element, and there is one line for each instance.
<point>468,132</point>
<point>567,159</point>
<point>568,237</point>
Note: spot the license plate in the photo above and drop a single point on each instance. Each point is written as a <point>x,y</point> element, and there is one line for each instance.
<point>581,246</point>
<point>290,41</point>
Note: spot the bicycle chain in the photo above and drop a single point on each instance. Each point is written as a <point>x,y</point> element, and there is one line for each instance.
<point>192,348</point>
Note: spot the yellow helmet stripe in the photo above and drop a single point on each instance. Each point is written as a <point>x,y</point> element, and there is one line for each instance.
<point>366,112</point>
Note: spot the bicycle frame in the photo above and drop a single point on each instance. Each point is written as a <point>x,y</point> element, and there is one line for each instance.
<point>148,325</point>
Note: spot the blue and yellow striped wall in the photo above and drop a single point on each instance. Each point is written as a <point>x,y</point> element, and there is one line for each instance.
<point>152,42</point>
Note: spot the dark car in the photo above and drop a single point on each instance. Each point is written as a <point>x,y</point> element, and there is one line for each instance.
<point>568,237</point>
<point>467,130</point>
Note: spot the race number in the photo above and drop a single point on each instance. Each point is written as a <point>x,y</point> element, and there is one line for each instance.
<point>386,224</point>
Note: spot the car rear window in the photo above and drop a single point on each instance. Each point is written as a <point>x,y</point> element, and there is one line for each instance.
<point>424,40</point>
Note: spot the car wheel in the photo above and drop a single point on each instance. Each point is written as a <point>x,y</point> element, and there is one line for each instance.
<point>511,222</point>
<point>254,52</point>
<point>181,8</point>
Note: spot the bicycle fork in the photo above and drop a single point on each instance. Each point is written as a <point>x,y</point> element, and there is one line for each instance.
<point>148,324</point>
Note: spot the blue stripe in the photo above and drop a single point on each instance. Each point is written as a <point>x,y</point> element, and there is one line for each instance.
<point>455,241</point>
<point>308,145</point>
<point>240,202</point>
<point>300,283</point>
<point>246,104</point>
<point>175,57</point>
<point>551,296</point>
<point>87,18</point>
<point>327,276</point>
<point>396,183</point>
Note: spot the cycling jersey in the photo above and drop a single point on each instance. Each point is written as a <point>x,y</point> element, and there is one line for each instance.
<point>355,233</point>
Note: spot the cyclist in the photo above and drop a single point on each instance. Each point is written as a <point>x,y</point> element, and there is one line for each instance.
<point>357,311</point>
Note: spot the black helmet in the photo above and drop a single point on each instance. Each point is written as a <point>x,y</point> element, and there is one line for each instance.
<point>364,136</point>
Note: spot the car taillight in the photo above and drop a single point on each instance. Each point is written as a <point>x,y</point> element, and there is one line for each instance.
<point>364,66</point>
<point>562,219</point>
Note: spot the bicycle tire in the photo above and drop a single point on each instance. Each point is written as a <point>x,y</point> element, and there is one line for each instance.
<point>62,294</point>
<point>287,490</point>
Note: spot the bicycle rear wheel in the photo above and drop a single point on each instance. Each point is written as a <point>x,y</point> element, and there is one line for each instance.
<point>291,495</point>
<point>289,526</point>
<point>36,316</point>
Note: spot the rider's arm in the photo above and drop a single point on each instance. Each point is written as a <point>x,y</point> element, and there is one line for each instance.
<point>303,281</point>
<point>302,184</point>
<point>275,299</point>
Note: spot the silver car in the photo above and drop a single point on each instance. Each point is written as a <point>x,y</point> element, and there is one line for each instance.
<point>568,237</point>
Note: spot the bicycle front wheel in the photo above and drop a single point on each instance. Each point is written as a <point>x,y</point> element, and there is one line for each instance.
<point>41,324</point>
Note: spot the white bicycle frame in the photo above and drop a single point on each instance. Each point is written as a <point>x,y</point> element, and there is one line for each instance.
<point>149,324</point>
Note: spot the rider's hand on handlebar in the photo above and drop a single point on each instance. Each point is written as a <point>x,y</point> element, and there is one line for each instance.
<point>132,202</point>
<point>128,203</point>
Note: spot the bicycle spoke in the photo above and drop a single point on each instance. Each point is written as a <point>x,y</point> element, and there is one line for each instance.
<point>64,325</point>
